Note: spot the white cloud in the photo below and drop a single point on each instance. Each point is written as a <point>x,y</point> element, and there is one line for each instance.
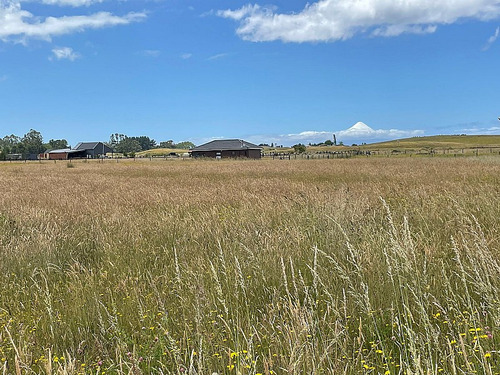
<point>73,3</point>
<point>186,56</point>
<point>64,53</point>
<point>241,13</point>
<point>492,39</point>
<point>494,36</point>
<point>309,136</point>
<point>150,52</point>
<point>218,56</point>
<point>20,25</point>
<point>481,130</point>
<point>3,78</point>
<point>331,20</point>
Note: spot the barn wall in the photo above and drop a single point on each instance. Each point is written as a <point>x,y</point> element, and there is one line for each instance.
<point>254,154</point>
<point>233,154</point>
<point>58,156</point>
<point>203,154</point>
<point>97,151</point>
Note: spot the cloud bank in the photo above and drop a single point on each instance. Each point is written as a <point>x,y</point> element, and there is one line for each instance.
<point>358,133</point>
<point>332,20</point>
<point>19,25</point>
<point>478,130</point>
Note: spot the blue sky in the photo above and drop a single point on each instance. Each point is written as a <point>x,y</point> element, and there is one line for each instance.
<point>277,71</point>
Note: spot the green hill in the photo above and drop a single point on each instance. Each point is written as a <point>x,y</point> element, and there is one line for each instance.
<point>439,142</point>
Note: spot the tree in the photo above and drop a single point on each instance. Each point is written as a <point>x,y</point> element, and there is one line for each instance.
<point>116,138</point>
<point>9,144</point>
<point>167,144</point>
<point>128,145</point>
<point>56,144</point>
<point>328,143</point>
<point>185,145</point>
<point>145,142</point>
<point>10,140</point>
<point>299,148</point>
<point>32,142</point>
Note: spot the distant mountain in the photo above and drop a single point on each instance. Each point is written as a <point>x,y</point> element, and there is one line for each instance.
<point>362,133</point>
<point>359,128</point>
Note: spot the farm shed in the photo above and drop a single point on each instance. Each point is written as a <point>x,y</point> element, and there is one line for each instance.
<point>65,154</point>
<point>227,148</point>
<point>22,157</point>
<point>14,156</point>
<point>93,149</point>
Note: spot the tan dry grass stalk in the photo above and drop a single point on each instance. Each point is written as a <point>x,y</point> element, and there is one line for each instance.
<point>251,266</point>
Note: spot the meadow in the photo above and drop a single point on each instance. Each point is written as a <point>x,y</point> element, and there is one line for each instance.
<point>449,145</point>
<point>340,266</point>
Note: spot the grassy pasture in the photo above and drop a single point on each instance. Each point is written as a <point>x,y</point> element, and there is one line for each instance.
<point>349,266</point>
<point>466,144</point>
<point>157,152</point>
<point>442,141</point>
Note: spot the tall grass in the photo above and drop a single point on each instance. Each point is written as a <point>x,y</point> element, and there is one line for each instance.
<point>251,267</point>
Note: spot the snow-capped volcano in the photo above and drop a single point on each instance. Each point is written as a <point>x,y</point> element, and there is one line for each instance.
<point>360,132</point>
<point>359,128</point>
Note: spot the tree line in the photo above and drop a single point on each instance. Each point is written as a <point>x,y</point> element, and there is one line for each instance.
<point>130,145</point>
<point>32,144</point>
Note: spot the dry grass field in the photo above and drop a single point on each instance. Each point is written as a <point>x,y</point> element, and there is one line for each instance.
<point>342,266</point>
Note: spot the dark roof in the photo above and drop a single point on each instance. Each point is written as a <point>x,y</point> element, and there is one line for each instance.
<point>227,144</point>
<point>88,145</point>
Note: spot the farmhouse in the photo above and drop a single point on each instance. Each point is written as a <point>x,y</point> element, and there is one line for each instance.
<point>93,149</point>
<point>227,148</point>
